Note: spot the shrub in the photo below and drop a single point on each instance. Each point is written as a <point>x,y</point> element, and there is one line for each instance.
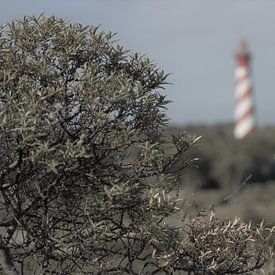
<point>85,184</point>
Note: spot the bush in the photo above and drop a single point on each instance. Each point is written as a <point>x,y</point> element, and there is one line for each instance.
<point>85,184</point>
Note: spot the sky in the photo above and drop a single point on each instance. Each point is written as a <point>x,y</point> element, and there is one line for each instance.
<point>193,40</point>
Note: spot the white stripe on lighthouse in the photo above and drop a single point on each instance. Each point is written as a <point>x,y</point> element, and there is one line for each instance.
<point>241,72</point>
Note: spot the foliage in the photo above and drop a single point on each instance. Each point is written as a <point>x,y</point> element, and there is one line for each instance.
<point>213,246</point>
<point>85,183</point>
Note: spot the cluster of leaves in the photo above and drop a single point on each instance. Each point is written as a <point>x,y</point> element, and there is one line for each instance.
<point>208,245</point>
<point>85,183</point>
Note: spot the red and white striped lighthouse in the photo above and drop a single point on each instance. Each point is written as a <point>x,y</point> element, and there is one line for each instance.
<point>245,123</point>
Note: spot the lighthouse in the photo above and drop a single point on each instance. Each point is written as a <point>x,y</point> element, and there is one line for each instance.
<point>245,123</point>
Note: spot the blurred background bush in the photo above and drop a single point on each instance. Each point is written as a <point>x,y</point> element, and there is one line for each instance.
<point>225,162</point>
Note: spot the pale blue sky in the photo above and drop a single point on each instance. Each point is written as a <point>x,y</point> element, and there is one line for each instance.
<point>194,40</point>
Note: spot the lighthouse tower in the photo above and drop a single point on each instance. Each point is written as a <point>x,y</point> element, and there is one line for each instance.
<point>245,123</point>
